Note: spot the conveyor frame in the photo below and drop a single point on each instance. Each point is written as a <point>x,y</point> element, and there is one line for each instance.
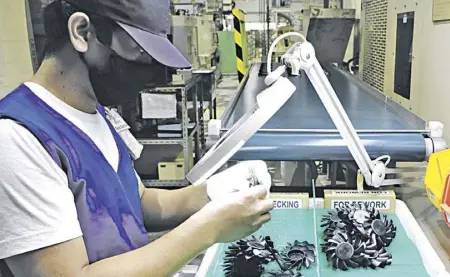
<point>407,125</point>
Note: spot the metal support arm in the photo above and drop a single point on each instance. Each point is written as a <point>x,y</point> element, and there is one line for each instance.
<point>302,56</point>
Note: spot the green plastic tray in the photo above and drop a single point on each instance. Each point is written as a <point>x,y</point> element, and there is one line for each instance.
<point>289,225</point>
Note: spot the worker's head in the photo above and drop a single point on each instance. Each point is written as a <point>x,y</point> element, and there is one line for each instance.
<point>121,42</point>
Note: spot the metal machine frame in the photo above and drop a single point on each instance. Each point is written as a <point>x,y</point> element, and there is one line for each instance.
<point>198,132</point>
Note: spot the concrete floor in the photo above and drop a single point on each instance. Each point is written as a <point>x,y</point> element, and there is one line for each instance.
<point>225,90</point>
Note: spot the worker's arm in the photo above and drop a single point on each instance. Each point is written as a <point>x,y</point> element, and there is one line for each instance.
<point>41,236</point>
<point>166,209</point>
<point>223,220</point>
<point>163,257</point>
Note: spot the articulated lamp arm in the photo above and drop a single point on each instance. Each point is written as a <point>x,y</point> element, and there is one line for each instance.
<point>302,56</point>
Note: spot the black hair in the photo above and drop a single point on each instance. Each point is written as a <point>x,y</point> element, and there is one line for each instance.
<point>56,15</point>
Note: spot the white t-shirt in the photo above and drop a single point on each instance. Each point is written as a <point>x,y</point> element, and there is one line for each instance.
<point>37,208</point>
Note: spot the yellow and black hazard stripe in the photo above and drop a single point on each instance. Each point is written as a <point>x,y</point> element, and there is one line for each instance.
<point>239,37</point>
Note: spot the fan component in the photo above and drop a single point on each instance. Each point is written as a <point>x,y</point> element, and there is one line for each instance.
<point>361,242</point>
<point>335,219</point>
<point>330,232</point>
<point>361,218</point>
<point>377,258</point>
<point>243,267</point>
<point>382,230</point>
<point>298,255</point>
<point>284,274</point>
<point>343,251</point>
<point>247,257</point>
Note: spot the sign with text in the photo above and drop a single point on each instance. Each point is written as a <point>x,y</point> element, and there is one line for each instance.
<point>287,201</point>
<point>380,200</point>
<point>379,204</point>
<point>287,204</point>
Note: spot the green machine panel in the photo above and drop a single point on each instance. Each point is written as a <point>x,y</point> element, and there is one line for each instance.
<point>227,52</point>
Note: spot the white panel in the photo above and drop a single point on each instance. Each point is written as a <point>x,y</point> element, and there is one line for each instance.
<point>441,10</point>
<point>431,73</point>
<point>430,85</point>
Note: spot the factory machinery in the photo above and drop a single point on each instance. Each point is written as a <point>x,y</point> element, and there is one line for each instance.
<point>303,131</point>
<point>168,118</point>
<point>307,118</point>
<point>193,30</point>
<point>196,38</point>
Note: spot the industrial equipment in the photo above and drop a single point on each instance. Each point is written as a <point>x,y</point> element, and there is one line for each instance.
<point>316,123</point>
<point>329,30</point>
<point>197,6</point>
<point>436,177</point>
<point>289,17</point>
<point>303,131</point>
<point>168,121</point>
<point>302,57</point>
<point>196,38</point>
<point>331,27</point>
<point>207,42</point>
<point>168,118</point>
<point>437,182</point>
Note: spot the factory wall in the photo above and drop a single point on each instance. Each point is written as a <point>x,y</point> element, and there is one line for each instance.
<point>15,57</point>
<point>394,8</point>
<point>430,85</point>
<point>432,68</point>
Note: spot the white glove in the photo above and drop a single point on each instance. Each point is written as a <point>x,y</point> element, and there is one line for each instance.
<point>238,178</point>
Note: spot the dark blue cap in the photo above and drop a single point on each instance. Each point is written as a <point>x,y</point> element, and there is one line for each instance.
<point>146,21</point>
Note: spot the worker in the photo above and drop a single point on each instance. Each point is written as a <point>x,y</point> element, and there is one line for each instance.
<point>71,203</point>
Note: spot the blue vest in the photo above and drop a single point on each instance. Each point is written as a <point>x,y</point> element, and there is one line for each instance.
<point>108,203</point>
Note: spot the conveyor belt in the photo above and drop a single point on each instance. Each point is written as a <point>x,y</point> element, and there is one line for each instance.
<point>303,130</point>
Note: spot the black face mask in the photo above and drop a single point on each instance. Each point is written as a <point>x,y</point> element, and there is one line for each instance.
<point>122,81</point>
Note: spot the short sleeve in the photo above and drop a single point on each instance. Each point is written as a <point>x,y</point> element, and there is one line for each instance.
<point>137,176</point>
<point>37,208</point>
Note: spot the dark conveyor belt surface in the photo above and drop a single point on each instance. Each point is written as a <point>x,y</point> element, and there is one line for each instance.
<point>305,112</point>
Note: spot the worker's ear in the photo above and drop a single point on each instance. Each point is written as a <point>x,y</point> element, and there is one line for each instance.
<point>80,28</point>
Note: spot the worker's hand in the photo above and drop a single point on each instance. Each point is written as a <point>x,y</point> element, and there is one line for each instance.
<point>239,178</point>
<point>230,219</point>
